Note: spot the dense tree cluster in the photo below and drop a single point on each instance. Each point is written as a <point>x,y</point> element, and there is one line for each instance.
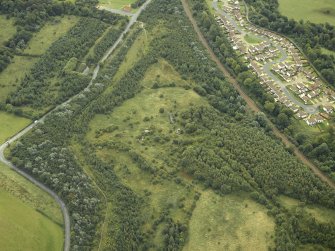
<point>35,86</point>
<point>106,42</point>
<point>5,58</point>
<point>30,16</point>
<point>45,154</point>
<point>137,4</point>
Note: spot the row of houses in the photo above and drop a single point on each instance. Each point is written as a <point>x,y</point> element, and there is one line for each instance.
<point>260,53</point>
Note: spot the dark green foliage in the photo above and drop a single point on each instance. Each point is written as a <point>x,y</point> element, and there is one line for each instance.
<point>106,42</point>
<point>76,43</point>
<point>137,4</point>
<point>5,58</point>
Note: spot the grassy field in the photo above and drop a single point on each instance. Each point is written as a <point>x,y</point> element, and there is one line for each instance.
<point>163,73</point>
<point>315,11</point>
<point>10,125</point>
<point>50,32</point>
<point>7,29</point>
<point>11,77</point>
<point>233,222</point>
<point>251,39</point>
<point>321,214</point>
<point>115,4</point>
<point>328,52</point>
<point>29,218</point>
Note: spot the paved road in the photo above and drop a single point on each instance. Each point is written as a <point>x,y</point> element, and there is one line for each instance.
<point>65,212</point>
<point>251,103</point>
<point>310,109</point>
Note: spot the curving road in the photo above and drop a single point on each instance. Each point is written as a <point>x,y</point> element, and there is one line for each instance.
<point>65,212</point>
<point>251,103</point>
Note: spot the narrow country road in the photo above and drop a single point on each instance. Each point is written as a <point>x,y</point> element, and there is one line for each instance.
<point>65,212</point>
<point>251,103</point>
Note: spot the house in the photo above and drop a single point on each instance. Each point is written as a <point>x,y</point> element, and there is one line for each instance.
<point>302,115</point>
<point>311,122</point>
<point>328,109</point>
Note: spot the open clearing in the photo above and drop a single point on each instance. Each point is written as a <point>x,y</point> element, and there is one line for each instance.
<point>251,39</point>
<point>328,52</point>
<point>20,66</point>
<point>321,214</point>
<point>316,11</point>
<point>232,222</point>
<point>115,4</point>
<point>10,125</point>
<point>7,29</point>
<point>50,32</point>
<point>28,216</point>
<point>11,77</point>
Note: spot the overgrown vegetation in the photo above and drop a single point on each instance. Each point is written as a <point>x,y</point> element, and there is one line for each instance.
<point>132,155</point>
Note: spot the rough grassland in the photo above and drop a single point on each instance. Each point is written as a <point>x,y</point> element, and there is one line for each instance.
<point>251,39</point>
<point>10,125</point>
<point>23,226</point>
<point>10,78</point>
<point>321,214</point>
<point>328,52</point>
<point>7,29</point>
<point>233,222</point>
<point>316,11</point>
<point>115,4</point>
<point>50,32</point>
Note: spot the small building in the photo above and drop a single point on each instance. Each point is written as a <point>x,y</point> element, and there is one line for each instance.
<point>328,109</point>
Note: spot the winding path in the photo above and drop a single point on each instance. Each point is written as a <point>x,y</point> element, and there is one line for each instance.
<point>65,212</point>
<point>251,103</point>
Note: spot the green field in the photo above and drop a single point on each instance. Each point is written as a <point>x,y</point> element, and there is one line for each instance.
<point>251,39</point>
<point>11,77</point>
<point>232,222</point>
<point>321,214</point>
<point>328,52</point>
<point>10,125</point>
<point>315,11</point>
<point>115,4</point>
<point>50,32</point>
<point>7,29</point>
<point>29,218</point>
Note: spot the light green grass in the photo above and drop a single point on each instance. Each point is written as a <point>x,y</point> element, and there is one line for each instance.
<point>311,247</point>
<point>138,49</point>
<point>7,29</point>
<point>50,32</point>
<point>252,39</point>
<point>23,227</point>
<point>20,66</point>
<point>321,214</point>
<point>315,11</point>
<point>145,104</point>
<point>11,77</point>
<point>10,125</point>
<point>115,4</point>
<point>162,73</point>
<point>232,222</point>
<point>327,52</point>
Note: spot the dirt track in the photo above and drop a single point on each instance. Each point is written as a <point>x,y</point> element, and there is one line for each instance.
<point>251,103</point>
